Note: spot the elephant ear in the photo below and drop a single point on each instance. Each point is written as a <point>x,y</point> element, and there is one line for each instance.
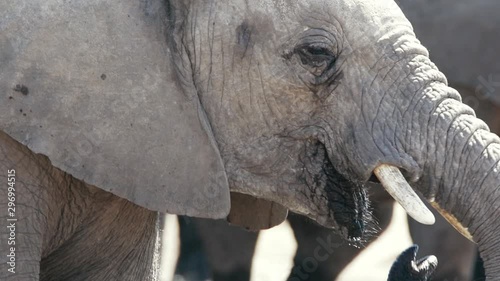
<point>91,84</point>
<point>254,213</point>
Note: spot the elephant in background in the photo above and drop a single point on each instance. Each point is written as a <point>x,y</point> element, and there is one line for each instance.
<point>463,41</point>
<point>115,111</point>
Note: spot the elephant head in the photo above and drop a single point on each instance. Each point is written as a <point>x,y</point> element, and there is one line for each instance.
<point>173,104</point>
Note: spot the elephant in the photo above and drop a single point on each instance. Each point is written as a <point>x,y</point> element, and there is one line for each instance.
<point>116,112</point>
<point>213,250</point>
<point>466,35</point>
<point>452,38</point>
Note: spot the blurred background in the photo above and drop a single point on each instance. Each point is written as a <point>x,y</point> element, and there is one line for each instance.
<point>275,250</point>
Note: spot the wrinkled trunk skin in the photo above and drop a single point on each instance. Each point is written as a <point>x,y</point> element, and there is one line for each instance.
<point>459,161</point>
<point>446,153</point>
<point>466,183</point>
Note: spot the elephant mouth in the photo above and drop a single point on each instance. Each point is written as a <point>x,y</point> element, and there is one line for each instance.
<point>347,203</point>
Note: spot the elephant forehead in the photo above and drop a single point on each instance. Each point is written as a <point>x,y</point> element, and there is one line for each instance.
<point>90,85</point>
<point>355,16</point>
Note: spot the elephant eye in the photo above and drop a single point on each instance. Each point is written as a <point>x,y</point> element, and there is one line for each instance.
<point>316,58</point>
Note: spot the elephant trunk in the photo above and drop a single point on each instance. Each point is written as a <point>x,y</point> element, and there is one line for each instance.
<point>456,159</point>
<point>486,234</point>
<point>463,182</point>
<point>459,167</point>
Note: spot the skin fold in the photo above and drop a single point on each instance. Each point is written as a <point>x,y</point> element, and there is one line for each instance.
<point>294,102</point>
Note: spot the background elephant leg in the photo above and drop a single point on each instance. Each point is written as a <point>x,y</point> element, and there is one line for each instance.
<point>192,264</point>
<point>229,249</point>
<point>322,254</point>
<point>456,255</point>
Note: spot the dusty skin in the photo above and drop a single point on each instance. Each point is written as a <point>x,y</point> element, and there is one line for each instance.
<point>295,102</point>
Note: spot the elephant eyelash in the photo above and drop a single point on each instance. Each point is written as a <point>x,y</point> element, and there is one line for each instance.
<point>317,58</point>
<point>315,53</point>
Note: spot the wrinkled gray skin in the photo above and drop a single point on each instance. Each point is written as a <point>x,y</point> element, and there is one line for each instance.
<point>295,94</point>
<point>462,38</point>
<point>68,230</point>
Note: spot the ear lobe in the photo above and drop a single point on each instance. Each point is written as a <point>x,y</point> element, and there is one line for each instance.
<point>254,213</point>
<point>104,105</point>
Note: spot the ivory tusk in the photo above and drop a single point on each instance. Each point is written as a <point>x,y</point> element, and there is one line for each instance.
<point>393,181</point>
